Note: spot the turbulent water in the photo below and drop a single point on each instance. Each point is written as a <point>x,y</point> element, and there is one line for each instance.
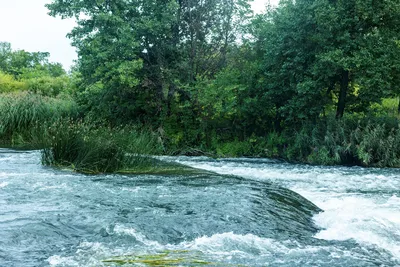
<point>249,213</point>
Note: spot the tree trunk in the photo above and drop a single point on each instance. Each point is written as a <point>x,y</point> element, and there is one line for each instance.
<point>344,86</point>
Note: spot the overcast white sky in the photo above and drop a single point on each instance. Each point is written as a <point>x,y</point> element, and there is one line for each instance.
<point>26,25</point>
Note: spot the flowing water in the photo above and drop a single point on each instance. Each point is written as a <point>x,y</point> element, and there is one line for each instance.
<point>242,212</point>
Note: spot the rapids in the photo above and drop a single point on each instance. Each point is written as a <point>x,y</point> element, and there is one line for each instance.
<point>249,212</point>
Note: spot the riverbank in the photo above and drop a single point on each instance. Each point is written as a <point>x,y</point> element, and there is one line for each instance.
<point>367,141</point>
<point>87,145</point>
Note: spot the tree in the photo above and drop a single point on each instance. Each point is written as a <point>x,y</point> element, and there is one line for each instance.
<point>19,62</point>
<point>358,40</point>
<point>288,85</point>
<point>5,54</point>
<point>145,53</point>
<point>330,51</point>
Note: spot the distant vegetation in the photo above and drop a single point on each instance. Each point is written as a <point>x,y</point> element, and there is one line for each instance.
<point>308,81</point>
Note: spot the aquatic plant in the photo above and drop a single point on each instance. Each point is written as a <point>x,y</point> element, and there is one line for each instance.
<point>79,146</point>
<point>167,258</point>
<point>92,148</point>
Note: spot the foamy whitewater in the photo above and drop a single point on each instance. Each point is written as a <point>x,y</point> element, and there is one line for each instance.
<point>253,212</point>
<point>357,203</point>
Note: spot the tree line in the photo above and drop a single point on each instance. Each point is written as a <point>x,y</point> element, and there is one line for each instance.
<point>202,73</point>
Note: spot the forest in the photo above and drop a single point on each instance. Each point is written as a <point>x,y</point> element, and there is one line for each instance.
<point>310,81</point>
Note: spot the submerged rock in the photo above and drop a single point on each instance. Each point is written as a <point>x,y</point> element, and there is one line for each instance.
<point>178,208</point>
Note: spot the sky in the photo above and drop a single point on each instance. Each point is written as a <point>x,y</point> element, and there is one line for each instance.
<point>26,25</point>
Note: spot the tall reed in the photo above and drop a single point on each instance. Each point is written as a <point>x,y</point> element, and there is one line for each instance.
<point>373,141</point>
<point>93,148</point>
<point>24,116</point>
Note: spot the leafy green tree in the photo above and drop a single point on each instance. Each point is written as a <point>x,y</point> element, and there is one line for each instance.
<point>358,48</point>
<point>20,62</point>
<point>5,54</point>
<point>148,54</point>
<point>287,85</point>
<point>323,51</point>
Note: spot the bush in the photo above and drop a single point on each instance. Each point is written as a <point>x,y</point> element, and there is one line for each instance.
<point>9,84</point>
<point>49,86</point>
<point>273,145</point>
<point>235,149</point>
<point>379,147</point>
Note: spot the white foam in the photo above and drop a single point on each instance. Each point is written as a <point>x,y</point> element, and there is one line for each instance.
<point>221,248</point>
<point>57,260</point>
<point>357,203</point>
<point>51,187</point>
<point>339,179</point>
<point>230,243</point>
<point>226,246</point>
<point>132,190</point>
<point>6,158</point>
<point>138,236</point>
<point>4,184</point>
<point>366,220</point>
<point>88,254</point>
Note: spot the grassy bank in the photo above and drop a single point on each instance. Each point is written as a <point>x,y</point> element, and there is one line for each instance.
<point>25,117</point>
<point>34,121</point>
<point>53,124</point>
<point>362,141</point>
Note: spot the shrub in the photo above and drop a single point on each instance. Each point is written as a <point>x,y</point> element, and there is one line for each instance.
<point>273,145</point>
<point>379,147</point>
<point>235,149</point>
<point>9,84</point>
<point>48,86</point>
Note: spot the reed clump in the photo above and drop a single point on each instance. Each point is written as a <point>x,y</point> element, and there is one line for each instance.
<point>88,147</point>
<point>369,142</point>
<point>24,117</point>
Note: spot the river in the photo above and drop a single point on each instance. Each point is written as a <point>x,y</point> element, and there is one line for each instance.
<point>239,212</point>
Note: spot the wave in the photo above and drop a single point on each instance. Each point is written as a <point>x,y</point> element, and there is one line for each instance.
<point>358,204</point>
<point>224,249</point>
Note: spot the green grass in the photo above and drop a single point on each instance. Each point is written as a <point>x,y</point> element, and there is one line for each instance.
<point>34,121</point>
<point>24,117</point>
<point>368,141</point>
<point>91,148</point>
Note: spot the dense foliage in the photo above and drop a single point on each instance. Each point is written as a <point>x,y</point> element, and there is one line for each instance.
<point>310,80</point>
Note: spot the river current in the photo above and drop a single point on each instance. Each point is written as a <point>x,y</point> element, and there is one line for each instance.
<point>239,212</point>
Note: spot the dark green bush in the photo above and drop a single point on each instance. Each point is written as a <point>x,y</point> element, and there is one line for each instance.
<point>235,149</point>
